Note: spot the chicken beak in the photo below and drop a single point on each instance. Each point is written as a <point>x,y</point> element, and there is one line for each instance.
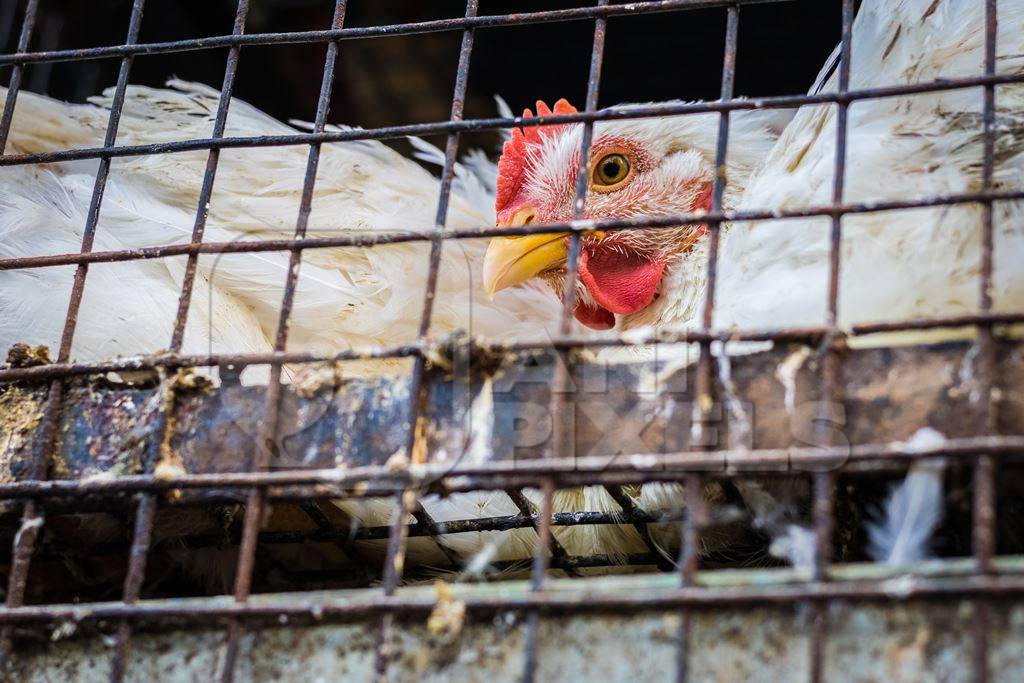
<point>512,260</point>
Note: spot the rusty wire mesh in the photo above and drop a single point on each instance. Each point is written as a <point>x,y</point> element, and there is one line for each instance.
<point>552,472</point>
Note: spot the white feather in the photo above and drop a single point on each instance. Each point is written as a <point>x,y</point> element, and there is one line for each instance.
<point>796,545</point>
<point>914,508</point>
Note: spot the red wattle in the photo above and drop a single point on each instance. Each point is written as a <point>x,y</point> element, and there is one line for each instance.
<point>620,283</point>
<point>594,317</point>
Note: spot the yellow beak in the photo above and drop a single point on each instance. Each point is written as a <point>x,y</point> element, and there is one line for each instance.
<point>512,260</point>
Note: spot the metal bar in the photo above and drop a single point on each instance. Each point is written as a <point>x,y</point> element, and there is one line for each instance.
<point>790,334</point>
<point>824,480</point>
<point>27,26</point>
<point>146,509</point>
<point>427,522</point>
<point>266,442</point>
<point>534,519</point>
<point>554,470</point>
<point>209,175</point>
<point>577,226</point>
<point>418,387</point>
<point>598,470</point>
<point>326,532</point>
<point>383,31</point>
<point>719,182</point>
<point>32,520</point>
<point>689,563</point>
<point>983,527</point>
<point>549,601</point>
<point>92,220</point>
<point>393,571</point>
<point>560,426</point>
<point>704,389</point>
<point>141,538</point>
<point>395,559</point>
<point>480,125</point>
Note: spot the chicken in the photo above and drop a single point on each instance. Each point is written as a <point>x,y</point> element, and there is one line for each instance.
<point>346,297</point>
<point>530,189</point>
<point>642,167</point>
<point>775,273</point>
<point>894,265</point>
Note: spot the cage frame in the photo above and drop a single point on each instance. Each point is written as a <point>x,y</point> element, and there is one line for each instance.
<point>984,584</point>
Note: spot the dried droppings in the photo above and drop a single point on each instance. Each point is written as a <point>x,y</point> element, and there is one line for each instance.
<point>165,470</point>
<point>398,462</point>
<point>188,379</point>
<point>311,379</point>
<point>445,621</point>
<point>25,356</point>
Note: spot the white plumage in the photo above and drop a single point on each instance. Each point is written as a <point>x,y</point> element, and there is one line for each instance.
<point>895,264</point>
<point>351,297</point>
<point>346,297</point>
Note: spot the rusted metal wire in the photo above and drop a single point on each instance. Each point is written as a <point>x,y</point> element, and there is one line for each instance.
<point>266,442</point>
<point>14,85</point>
<point>688,561</point>
<point>983,531</point>
<point>689,555</point>
<point>553,602</point>
<point>32,519</point>
<point>503,474</point>
<point>480,125</point>
<point>609,225</point>
<point>535,520</point>
<point>824,480</point>
<point>790,334</point>
<point>524,520</point>
<point>407,501</point>
<point>146,509</point>
<point>563,428</point>
<point>631,514</point>
<point>383,31</point>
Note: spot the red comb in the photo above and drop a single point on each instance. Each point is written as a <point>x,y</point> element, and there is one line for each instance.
<point>514,156</point>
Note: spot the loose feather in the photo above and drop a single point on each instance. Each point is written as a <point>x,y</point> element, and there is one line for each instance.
<point>914,508</point>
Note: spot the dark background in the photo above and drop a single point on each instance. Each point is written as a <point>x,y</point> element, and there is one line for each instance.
<point>409,79</point>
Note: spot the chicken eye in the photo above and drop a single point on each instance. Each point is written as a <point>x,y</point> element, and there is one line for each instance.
<point>610,171</point>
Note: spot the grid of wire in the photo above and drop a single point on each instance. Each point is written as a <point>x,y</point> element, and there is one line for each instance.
<point>555,470</point>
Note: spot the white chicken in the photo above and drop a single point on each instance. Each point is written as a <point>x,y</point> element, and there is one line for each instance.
<point>346,297</point>
<point>775,273</point>
<point>894,265</point>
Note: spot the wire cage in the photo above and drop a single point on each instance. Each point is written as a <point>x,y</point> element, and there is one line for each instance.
<point>34,492</point>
